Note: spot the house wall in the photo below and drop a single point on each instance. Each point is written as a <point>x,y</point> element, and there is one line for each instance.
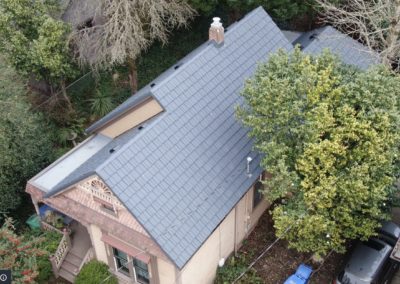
<point>166,271</point>
<point>201,269</point>
<point>138,115</point>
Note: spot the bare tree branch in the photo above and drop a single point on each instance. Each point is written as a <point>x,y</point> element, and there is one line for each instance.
<point>376,23</point>
<point>124,28</point>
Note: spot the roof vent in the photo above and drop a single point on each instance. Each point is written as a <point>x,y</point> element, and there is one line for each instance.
<point>216,31</point>
<point>152,85</point>
<point>112,150</point>
<point>248,159</point>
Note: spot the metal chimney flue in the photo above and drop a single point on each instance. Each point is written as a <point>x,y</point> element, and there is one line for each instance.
<point>216,31</point>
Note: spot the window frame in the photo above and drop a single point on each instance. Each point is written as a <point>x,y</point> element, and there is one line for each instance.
<point>257,195</point>
<point>117,258</point>
<point>106,206</point>
<point>132,274</point>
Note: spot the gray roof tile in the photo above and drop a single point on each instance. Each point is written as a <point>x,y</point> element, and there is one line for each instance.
<point>183,173</point>
<point>349,50</point>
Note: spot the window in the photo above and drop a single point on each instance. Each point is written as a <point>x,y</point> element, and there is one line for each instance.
<point>121,261</point>
<point>131,266</point>
<point>257,193</point>
<point>105,206</point>
<point>141,271</point>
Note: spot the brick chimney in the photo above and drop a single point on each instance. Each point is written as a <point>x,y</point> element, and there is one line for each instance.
<point>216,31</point>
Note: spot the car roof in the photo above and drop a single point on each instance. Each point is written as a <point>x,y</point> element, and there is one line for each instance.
<point>366,261</point>
<point>390,229</point>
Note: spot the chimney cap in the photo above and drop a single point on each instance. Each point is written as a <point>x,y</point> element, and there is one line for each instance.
<point>216,22</point>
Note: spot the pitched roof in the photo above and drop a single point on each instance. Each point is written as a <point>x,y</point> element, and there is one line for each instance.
<point>186,169</point>
<point>183,173</point>
<point>349,50</point>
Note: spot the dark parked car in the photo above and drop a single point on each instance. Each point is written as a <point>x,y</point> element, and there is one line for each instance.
<point>370,262</point>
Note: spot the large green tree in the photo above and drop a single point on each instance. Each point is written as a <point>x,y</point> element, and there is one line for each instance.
<point>35,43</point>
<point>330,135</point>
<point>25,145</point>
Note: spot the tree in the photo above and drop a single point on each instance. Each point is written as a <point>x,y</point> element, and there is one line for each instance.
<point>282,11</point>
<point>330,135</point>
<point>35,43</point>
<point>19,254</point>
<point>126,28</point>
<point>376,23</point>
<point>25,145</point>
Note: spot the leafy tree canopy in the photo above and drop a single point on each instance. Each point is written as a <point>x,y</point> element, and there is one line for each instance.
<point>33,41</point>
<point>330,135</point>
<point>25,146</point>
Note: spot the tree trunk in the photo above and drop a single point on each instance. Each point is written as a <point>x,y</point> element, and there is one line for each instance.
<point>133,81</point>
<point>65,95</point>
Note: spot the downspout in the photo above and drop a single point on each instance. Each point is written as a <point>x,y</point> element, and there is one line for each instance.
<point>235,231</point>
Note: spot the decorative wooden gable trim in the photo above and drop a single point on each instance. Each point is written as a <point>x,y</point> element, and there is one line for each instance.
<point>99,190</point>
<point>93,193</point>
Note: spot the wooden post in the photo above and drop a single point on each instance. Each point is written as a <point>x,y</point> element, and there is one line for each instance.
<point>54,265</point>
<point>35,204</point>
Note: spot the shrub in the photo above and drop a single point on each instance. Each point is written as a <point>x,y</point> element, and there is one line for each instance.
<point>95,272</point>
<point>49,246</point>
<point>235,266</point>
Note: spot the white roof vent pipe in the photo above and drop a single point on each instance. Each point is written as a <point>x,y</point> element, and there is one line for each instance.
<point>249,159</point>
<point>216,31</point>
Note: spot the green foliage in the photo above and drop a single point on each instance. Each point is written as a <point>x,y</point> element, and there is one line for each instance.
<point>33,41</point>
<point>95,272</point>
<point>233,268</point>
<point>282,11</point>
<point>204,6</point>
<point>331,138</point>
<point>19,254</point>
<point>287,10</point>
<point>101,104</point>
<point>49,246</point>
<point>25,146</point>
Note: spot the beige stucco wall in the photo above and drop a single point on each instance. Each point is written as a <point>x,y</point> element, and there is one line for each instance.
<point>133,118</point>
<point>99,247</point>
<point>201,268</point>
<point>166,271</point>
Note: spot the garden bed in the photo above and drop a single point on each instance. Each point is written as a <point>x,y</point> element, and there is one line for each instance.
<point>280,262</point>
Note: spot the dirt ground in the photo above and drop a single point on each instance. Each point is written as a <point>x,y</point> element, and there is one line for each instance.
<point>280,262</point>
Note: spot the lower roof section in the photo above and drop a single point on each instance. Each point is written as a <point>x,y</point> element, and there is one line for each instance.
<point>67,164</point>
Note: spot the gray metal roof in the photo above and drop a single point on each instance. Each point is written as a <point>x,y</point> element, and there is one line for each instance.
<point>349,50</point>
<point>183,173</point>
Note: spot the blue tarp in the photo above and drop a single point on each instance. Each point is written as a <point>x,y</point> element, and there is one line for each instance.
<point>44,208</point>
<point>301,276</point>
